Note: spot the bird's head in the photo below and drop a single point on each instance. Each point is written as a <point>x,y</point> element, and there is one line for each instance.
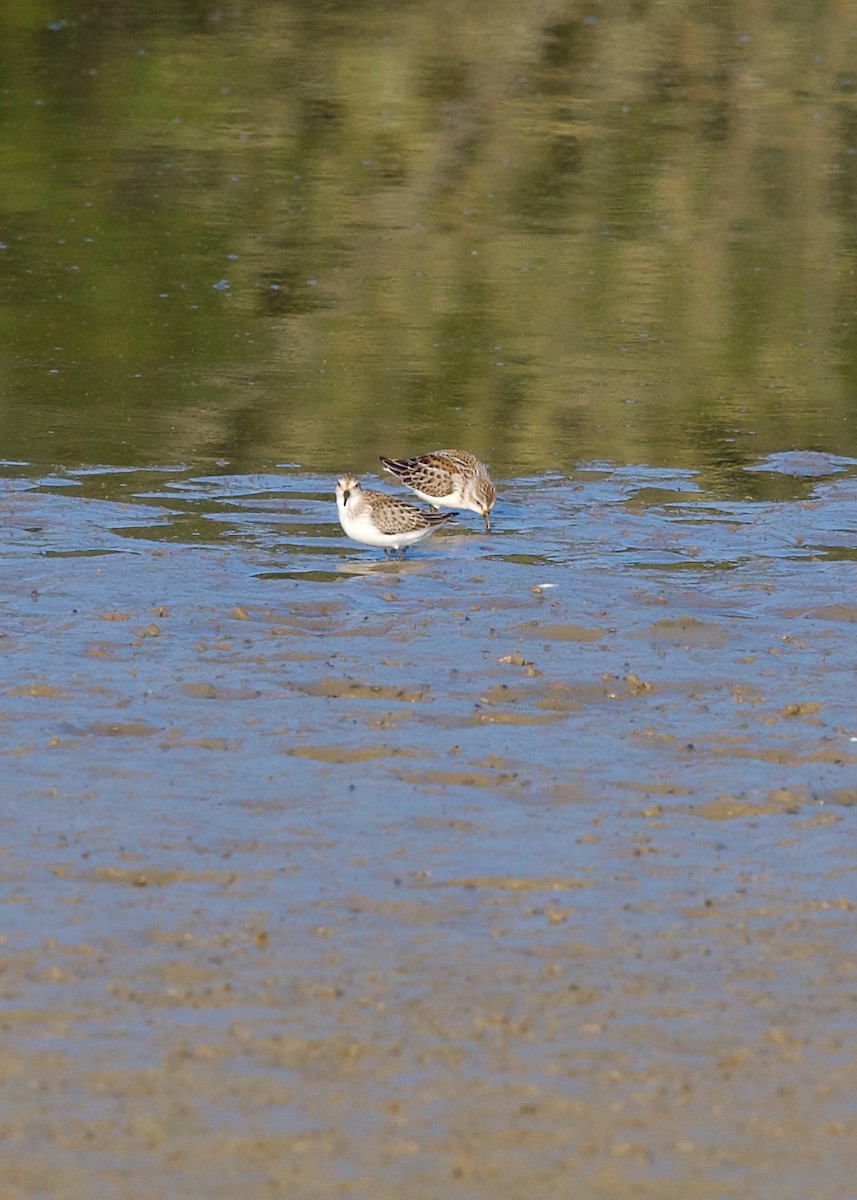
<point>346,487</point>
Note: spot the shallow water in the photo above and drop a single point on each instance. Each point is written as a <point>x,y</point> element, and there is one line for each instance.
<point>522,830</point>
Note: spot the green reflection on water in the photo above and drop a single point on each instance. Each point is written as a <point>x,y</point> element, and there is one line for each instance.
<point>319,233</point>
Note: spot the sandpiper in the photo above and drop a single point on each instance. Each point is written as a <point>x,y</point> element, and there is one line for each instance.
<point>447,479</point>
<point>376,519</point>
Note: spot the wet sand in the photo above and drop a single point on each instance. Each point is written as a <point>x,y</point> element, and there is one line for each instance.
<point>523,868</point>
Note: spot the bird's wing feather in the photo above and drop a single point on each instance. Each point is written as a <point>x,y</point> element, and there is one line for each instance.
<point>395,516</point>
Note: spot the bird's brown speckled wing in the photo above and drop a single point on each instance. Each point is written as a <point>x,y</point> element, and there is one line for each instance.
<point>396,516</point>
<point>431,474</point>
<point>461,461</point>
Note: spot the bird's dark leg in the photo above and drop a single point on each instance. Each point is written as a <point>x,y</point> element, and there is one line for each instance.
<point>400,553</point>
<point>386,553</point>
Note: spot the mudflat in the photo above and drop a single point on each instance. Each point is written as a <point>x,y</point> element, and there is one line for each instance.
<point>525,866</point>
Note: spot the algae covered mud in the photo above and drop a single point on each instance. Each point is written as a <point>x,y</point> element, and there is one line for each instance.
<point>526,864</point>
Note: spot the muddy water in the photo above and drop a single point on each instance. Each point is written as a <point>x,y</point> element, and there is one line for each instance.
<point>525,865</point>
